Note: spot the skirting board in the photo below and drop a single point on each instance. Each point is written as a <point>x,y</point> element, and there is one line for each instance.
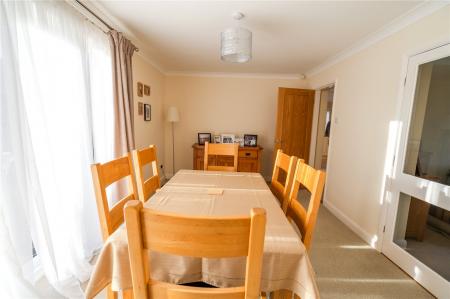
<point>369,239</point>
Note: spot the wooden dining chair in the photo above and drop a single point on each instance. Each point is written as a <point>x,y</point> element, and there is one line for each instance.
<point>313,180</point>
<point>280,190</point>
<point>150,230</point>
<point>221,149</point>
<point>104,175</point>
<point>141,158</point>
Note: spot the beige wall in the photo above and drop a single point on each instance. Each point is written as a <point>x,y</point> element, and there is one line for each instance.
<point>366,101</point>
<point>149,132</point>
<point>222,105</point>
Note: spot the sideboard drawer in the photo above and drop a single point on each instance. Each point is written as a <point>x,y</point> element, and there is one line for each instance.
<point>248,154</point>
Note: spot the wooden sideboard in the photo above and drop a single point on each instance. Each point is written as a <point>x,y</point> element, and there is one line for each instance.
<point>249,158</point>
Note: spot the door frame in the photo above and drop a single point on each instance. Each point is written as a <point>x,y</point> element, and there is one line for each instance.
<point>396,181</point>
<point>391,152</point>
<point>314,129</point>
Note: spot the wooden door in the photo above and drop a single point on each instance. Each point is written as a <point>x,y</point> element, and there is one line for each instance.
<point>294,121</point>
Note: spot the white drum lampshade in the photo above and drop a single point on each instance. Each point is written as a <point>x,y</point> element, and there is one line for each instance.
<point>236,45</point>
<point>172,115</point>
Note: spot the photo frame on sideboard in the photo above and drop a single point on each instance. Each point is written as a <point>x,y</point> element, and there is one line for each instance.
<point>204,137</point>
<point>227,138</point>
<point>250,140</point>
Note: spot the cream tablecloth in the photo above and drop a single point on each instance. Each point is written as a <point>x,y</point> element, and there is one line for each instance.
<point>285,263</point>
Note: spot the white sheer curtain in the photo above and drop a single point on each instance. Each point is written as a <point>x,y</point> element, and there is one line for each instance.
<point>57,119</point>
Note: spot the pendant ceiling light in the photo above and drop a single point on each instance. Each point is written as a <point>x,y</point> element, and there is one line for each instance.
<point>236,43</point>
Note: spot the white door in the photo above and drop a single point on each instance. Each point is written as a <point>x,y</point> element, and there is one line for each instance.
<point>417,235</point>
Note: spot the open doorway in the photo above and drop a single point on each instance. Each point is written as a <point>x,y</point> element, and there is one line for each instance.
<point>323,127</point>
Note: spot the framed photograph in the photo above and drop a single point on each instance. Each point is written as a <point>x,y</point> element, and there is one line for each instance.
<point>250,140</point>
<point>146,90</point>
<point>140,89</point>
<point>140,108</point>
<point>239,140</point>
<point>227,138</point>
<point>147,112</point>
<point>217,139</point>
<point>204,137</point>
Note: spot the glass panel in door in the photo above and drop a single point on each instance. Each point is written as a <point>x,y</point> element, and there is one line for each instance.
<point>428,147</point>
<point>427,234</point>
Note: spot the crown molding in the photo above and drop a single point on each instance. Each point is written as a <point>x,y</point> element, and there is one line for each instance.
<point>413,15</point>
<point>102,12</point>
<point>279,76</point>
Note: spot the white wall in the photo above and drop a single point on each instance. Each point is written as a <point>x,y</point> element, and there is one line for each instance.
<point>149,132</point>
<point>366,101</point>
<point>222,105</point>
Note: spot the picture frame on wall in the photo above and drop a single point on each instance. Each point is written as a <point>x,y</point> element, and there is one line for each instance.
<point>140,89</point>
<point>227,138</point>
<point>250,140</point>
<point>146,90</point>
<point>147,112</point>
<point>204,137</point>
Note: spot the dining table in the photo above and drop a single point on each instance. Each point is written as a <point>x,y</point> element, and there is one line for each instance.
<point>286,264</point>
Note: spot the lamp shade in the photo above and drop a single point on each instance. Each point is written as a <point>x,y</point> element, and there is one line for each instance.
<point>236,45</point>
<point>173,115</point>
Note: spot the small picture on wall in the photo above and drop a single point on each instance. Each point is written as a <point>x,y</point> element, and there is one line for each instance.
<point>204,137</point>
<point>217,139</point>
<point>250,140</point>
<point>140,108</point>
<point>147,112</point>
<point>227,138</point>
<point>146,90</point>
<point>140,89</point>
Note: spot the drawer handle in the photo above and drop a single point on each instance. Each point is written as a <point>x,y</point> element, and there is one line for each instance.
<point>247,154</point>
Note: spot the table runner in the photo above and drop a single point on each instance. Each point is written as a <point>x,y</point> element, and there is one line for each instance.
<point>285,263</point>
<point>217,179</point>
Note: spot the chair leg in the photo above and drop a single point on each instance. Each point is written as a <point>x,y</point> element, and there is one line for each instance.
<point>110,294</point>
<point>281,294</point>
<point>127,294</point>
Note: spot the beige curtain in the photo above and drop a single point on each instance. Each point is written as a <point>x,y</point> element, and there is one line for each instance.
<point>122,51</point>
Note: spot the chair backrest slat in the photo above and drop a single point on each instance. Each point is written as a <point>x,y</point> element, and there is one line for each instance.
<point>305,219</point>
<point>204,293</point>
<point>146,187</point>
<point>150,230</point>
<point>116,212</point>
<point>213,149</point>
<point>103,175</point>
<point>115,170</point>
<point>200,237</point>
<point>287,164</point>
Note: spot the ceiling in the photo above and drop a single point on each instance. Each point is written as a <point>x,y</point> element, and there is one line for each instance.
<point>289,37</point>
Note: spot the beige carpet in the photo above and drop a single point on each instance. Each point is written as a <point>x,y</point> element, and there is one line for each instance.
<point>346,267</point>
